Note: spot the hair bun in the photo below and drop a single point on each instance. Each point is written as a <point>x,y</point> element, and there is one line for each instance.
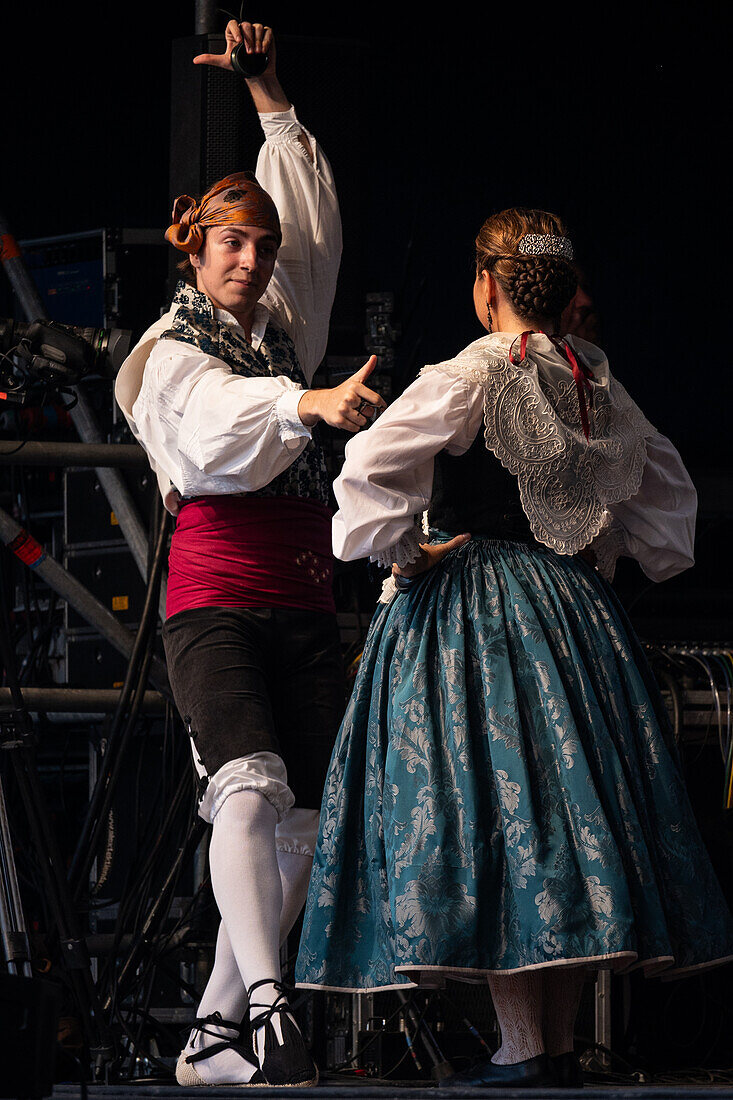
<point>540,286</point>
<point>529,254</point>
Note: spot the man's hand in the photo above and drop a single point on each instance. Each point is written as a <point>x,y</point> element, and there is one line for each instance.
<point>430,555</point>
<point>257,39</point>
<point>350,405</point>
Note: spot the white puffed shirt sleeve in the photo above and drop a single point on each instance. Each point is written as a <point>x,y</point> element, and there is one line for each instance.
<point>303,284</point>
<point>657,525</point>
<point>213,431</point>
<point>387,478</point>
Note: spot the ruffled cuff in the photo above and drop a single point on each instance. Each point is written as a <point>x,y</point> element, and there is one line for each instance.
<point>292,428</point>
<point>389,590</point>
<point>403,552</point>
<point>608,546</point>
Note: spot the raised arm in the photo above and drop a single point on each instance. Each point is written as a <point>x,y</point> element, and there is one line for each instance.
<point>295,172</point>
<point>266,90</point>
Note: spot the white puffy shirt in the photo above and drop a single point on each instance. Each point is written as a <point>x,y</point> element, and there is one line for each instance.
<point>205,429</point>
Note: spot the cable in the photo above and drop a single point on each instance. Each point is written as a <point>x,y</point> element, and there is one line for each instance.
<point>712,659</point>
<point>162,895</point>
<point>410,1044</point>
<point>119,734</point>
<point>400,1008</point>
<point>472,1030</point>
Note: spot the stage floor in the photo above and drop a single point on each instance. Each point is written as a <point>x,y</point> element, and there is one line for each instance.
<point>335,1088</point>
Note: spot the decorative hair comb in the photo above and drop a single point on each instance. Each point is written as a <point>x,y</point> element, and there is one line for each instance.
<point>546,244</point>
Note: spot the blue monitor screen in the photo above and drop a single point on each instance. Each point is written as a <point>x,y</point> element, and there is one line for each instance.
<point>73,292</point>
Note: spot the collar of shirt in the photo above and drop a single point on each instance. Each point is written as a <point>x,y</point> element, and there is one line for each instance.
<point>189,296</point>
<point>259,322</point>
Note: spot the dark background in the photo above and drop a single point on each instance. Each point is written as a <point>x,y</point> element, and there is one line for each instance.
<point>616,119</point>
<point>611,118</point>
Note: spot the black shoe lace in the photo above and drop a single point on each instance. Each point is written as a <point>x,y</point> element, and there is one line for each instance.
<point>214,1018</point>
<point>279,1005</point>
<point>223,1044</point>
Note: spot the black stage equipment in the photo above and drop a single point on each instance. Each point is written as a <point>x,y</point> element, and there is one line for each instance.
<point>47,357</point>
<point>104,278</point>
<point>53,357</point>
<point>18,743</point>
<point>440,1066</point>
<point>132,694</point>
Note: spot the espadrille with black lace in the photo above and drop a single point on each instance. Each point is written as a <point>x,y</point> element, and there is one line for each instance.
<point>284,1063</point>
<point>186,1073</point>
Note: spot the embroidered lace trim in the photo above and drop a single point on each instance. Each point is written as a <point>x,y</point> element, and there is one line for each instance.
<point>403,552</point>
<point>533,427</point>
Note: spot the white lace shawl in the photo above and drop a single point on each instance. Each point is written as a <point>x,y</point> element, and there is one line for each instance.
<point>532,425</point>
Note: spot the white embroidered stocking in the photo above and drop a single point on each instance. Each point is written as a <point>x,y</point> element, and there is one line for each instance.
<point>295,873</point>
<point>518,1005</point>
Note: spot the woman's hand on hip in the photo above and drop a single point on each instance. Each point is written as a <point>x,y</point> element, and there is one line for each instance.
<point>431,554</point>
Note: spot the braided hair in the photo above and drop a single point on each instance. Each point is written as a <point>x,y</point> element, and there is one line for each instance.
<point>538,287</point>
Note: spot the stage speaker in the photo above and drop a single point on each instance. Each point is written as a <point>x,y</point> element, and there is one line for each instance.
<point>214,128</point>
<point>29,1015</point>
<point>215,131</point>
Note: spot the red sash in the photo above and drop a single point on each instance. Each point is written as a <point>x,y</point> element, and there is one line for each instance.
<point>249,551</point>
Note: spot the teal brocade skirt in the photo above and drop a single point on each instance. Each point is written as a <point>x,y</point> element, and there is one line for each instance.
<point>503,793</point>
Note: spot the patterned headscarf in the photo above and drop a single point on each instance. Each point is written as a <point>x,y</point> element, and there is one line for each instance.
<point>236,200</point>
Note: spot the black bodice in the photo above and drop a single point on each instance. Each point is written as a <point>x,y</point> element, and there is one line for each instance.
<point>473,492</point>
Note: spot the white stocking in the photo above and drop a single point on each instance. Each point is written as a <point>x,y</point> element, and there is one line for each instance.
<point>518,1005</point>
<point>245,879</point>
<point>225,991</point>
<point>295,873</point>
<point>562,988</point>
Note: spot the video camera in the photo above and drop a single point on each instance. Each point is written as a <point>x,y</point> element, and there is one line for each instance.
<point>44,358</point>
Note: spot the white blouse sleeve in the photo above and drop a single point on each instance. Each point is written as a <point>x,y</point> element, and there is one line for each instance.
<point>657,525</point>
<point>387,477</point>
<point>214,431</point>
<point>303,283</point>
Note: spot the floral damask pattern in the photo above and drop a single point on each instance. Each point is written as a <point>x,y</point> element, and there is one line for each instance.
<point>503,794</point>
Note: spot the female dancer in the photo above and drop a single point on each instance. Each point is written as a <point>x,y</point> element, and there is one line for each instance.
<point>502,802</point>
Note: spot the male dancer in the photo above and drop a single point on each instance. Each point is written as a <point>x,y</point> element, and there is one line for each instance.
<point>216,392</point>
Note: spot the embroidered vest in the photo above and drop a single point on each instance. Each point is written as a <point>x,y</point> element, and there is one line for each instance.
<point>195,323</point>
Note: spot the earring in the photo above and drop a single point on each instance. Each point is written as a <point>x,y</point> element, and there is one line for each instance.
<point>490,318</point>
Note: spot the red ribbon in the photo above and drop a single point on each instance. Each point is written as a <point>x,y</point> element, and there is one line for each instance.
<point>583,378</point>
<point>581,373</point>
